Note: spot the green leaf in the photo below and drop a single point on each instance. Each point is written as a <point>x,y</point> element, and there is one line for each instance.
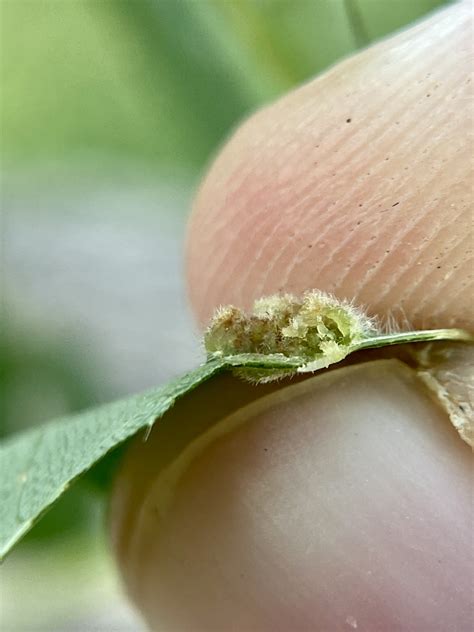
<point>39,465</point>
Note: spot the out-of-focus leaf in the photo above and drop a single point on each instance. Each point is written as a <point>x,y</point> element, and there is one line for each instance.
<point>161,82</point>
<point>381,17</point>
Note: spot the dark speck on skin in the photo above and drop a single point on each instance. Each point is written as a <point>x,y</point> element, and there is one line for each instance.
<point>348,120</point>
<point>396,203</point>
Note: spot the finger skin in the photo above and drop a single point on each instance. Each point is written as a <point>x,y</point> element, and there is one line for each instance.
<point>340,502</point>
<point>358,183</point>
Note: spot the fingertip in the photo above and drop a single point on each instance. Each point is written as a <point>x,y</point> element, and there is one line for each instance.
<point>358,183</point>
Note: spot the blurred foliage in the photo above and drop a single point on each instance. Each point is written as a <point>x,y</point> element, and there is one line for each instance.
<point>161,82</point>
<point>38,379</point>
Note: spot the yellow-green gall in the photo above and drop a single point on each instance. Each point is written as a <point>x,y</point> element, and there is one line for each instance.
<point>306,327</point>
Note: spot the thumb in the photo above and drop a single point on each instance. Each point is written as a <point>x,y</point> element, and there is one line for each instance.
<point>340,502</point>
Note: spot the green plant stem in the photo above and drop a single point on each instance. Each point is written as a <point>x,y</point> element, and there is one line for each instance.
<point>428,335</point>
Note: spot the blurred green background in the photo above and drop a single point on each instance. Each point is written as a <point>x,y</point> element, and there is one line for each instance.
<point>161,83</point>
<point>110,111</point>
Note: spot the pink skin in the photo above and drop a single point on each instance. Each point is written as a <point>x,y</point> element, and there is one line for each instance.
<point>318,512</point>
<point>378,209</point>
<point>346,500</point>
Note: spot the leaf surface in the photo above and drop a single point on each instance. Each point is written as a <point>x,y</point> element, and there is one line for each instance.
<point>37,466</point>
